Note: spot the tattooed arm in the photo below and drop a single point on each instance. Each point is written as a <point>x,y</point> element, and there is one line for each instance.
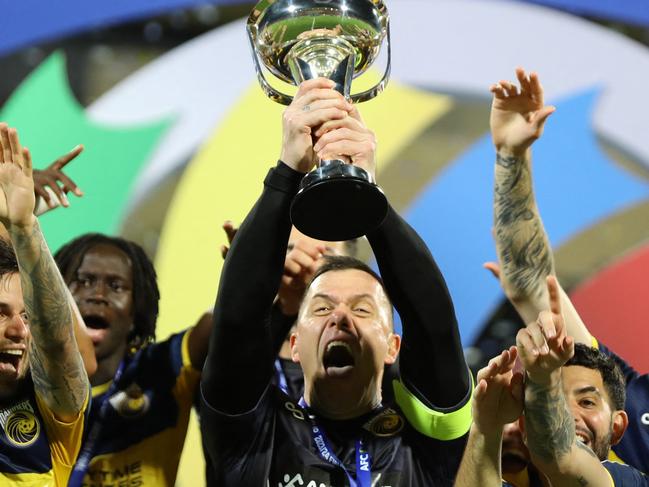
<point>544,348</point>
<point>57,369</point>
<point>524,252</point>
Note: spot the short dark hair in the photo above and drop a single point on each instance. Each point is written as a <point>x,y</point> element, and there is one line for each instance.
<point>591,358</point>
<point>146,294</point>
<point>8,262</point>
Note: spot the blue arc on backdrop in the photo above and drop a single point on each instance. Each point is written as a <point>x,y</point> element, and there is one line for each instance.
<point>456,223</point>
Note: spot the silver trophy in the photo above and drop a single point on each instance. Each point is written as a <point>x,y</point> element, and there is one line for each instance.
<point>297,40</point>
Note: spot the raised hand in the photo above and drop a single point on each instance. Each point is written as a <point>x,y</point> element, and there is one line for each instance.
<point>498,396</point>
<point>52,184</point>
<point>17,186</point>
<point>347,138</point>
<point>544,346</point>
<point>517,116</point>
<point>301,263</point>
<point>314,104</point>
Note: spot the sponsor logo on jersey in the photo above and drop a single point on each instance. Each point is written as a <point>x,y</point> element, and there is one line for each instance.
<point>20,424</point>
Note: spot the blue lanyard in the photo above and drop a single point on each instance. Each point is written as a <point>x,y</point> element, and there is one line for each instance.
<point>363,458</point>
<point>88,449</point>
<point>282,383</point>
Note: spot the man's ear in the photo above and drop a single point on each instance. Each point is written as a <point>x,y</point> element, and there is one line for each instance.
<point>394,345</point>
<point>620,423</point>
<point>295,356</point>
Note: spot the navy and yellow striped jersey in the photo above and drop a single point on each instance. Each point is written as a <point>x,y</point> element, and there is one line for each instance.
<point>633,448</point>
<point>624,475</point>
<point>143,431</point>
<point>36,449</point>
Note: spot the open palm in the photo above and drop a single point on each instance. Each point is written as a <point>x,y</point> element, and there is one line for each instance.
<point>16,184</point>
<point>518,116</point>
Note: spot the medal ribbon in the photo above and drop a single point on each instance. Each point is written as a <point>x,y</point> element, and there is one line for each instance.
<point>363,458</point>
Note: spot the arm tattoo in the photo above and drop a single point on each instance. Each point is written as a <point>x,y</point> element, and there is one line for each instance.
<point>56,366</point>
<point>523,248</point>
<point>550,425</point>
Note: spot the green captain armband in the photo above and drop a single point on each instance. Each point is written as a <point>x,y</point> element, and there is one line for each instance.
<point>431,423</point>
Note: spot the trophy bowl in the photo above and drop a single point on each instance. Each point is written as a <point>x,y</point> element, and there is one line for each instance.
<point>277,29</point>
<point>297,40</point>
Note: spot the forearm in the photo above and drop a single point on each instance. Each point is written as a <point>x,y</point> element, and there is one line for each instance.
<point>523,247</point>
<point>56,366</point>
<point>481,461</point>
<point>521,242</point>
<point>432,361</point>
<point>239,363</point>
<point>551,437</point>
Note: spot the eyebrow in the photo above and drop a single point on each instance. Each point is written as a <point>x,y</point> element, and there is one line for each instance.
<point>587,389</point>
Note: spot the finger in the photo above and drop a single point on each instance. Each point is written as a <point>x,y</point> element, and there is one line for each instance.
<point>347,122</point>
<point>68,184</point>
<point>510,88</point>
<point>61,162</point>
<point>4,140</point>
<point>311,84</point>
<point>53,185</point>
<point>492,267</point>
<point>536,90</point>
<point>230,230</point>
<point>488,371</point>
<point>554,295</point>
<point>318,95</point>
<point>338,135</point>
<point>306,263</point>
<point>523,80</point>
<point>516,386</point>
<point>315,118</point>
<point>40,191</point>
<point>538,332</point>
<point>542,115</point>
<point>350,148</point>
<point>224,251</point>
<point>480,390</point>
<point>28,168</point>
<point>314,252</point>
<point>498,91</point>
<point>568,348</point>
<point>16,148</point>
<point>548,325</point>
<point>526,348</point>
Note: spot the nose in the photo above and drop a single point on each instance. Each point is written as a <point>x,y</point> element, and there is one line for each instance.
<point>340,318</point>
<point>17,329</point>
<point>97,292</point>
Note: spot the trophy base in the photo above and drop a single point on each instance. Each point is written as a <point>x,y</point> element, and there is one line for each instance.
<point>337,202</point>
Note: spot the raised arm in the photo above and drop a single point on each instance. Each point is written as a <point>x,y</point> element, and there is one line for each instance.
<point>239,364</point>
<point>544,347</point>
<point>497,401</point>
<point>517,120</point>
<point>56,367</point>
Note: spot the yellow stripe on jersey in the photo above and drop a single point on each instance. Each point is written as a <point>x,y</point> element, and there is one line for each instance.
<point>434,424</point>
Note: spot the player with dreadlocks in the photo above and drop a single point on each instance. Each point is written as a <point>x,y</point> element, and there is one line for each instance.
<point>142,391</point>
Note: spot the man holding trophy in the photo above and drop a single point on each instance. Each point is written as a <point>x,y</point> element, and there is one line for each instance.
<point>339,433</point>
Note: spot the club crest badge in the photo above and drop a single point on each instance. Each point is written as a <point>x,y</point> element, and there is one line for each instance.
<point>21,426</point>
<point>386,423</point>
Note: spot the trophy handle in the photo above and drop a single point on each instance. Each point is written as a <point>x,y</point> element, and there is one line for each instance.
<point>380,86</point>
<point>272,93</point>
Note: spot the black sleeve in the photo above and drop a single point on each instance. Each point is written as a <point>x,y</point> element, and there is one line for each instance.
<point>239,363</point>
<point>431,361</point>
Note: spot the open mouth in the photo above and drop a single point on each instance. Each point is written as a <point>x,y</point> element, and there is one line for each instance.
<point>338,358</point>
<point>583,437</point>
<point>11,357</point>
<point>96,322</point>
